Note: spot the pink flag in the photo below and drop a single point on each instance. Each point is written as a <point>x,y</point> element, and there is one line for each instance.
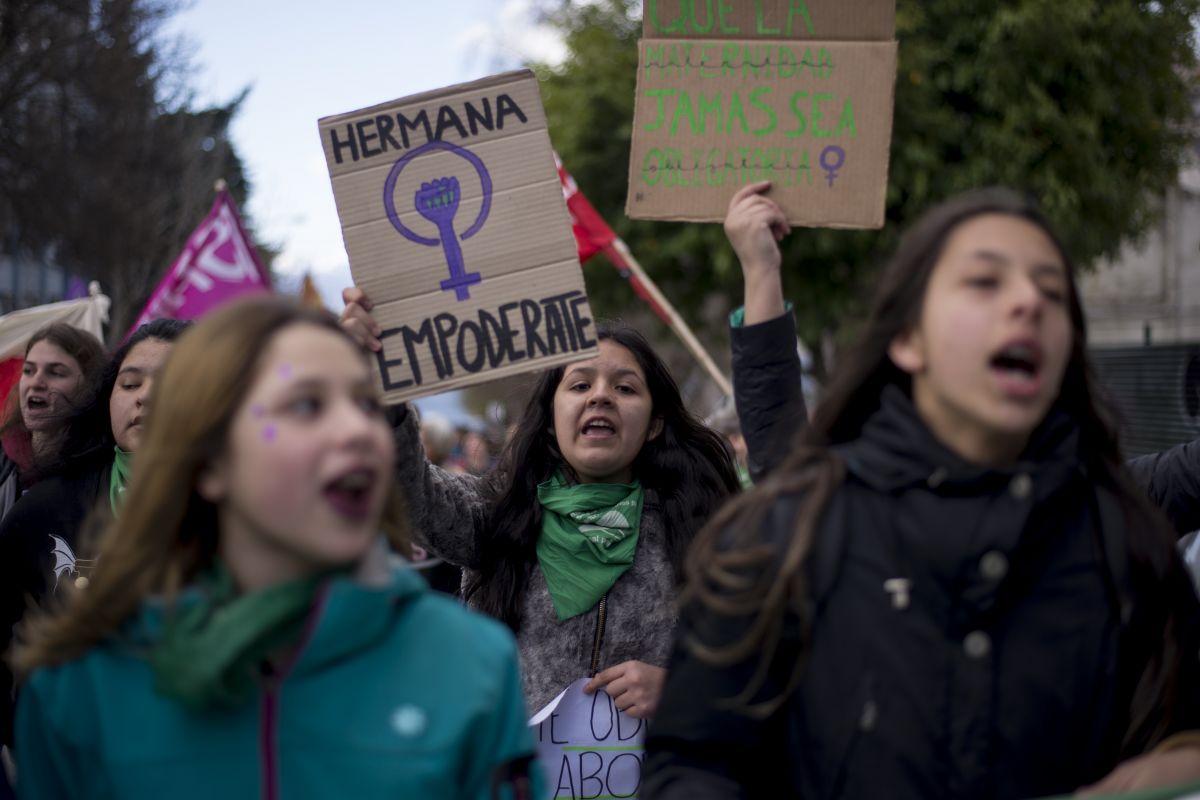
<point>217,264</point>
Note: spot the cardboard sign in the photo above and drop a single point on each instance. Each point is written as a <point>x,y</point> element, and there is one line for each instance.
<point>587,748</point>
<point>860,20</point>
<point>454,222</point>
<point>800,97</point>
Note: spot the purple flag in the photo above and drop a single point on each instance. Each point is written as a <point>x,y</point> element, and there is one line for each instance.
<point>217,264</point>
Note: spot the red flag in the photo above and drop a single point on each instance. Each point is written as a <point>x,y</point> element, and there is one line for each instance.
<point>218,263</point>
<point>592,235</point>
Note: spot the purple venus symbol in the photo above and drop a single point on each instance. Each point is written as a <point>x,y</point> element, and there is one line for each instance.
<point>438,202</point>
<point>831,166</point>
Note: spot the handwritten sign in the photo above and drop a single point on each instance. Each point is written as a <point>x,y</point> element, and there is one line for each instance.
<point>587,748</point>
<point>798,92</point>
<point>454,222</point>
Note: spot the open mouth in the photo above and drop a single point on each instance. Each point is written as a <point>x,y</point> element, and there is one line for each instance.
<point>598,429</point>
<point>36,402</point>
<point>350,495</point>
<point>1018,365</point>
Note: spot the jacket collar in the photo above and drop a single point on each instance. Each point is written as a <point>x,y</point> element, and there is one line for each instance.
<point>896,450</point>
<point>352,611</point>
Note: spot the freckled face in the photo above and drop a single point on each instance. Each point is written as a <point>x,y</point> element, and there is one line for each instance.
<point>49,388</point>
<point>309,458</point>
<point>603,415</point>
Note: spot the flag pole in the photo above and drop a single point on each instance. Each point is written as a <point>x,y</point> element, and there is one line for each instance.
<point>675,322</point>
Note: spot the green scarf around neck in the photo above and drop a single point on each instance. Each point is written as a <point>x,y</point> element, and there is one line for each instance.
<point>589,536</point>
<point>211,651</point>
<point>119,477</point>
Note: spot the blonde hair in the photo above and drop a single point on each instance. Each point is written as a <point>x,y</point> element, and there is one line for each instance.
<point>166,533</point>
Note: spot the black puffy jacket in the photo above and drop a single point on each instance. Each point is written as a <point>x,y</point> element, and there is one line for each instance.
<point>976,635</point>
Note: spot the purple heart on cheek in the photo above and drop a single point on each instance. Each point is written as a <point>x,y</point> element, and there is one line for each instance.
<point>269,433</point>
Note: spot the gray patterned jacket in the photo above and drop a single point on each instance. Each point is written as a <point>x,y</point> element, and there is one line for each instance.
<point>636,622</point>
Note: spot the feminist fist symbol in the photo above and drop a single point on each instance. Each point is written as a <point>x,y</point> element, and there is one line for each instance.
<point>438,202</point>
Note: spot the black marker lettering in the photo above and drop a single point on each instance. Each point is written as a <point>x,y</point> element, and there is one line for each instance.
<point>531,314</point>
<point>446,324</point>
<point>475,119</point>
<point>506,105</point>
<point>475,364</point>
<point>385,124</point>
<point>385,365</point>
<point>365,138</point>
<point>581,323</point>
<point>338,145</point>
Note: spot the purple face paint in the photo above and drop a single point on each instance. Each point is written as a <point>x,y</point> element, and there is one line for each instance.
<point>269,433</point>
<point>285,371</point>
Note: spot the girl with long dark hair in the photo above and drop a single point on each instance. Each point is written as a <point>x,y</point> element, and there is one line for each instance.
<point>576,541</point>
<point>951,587</point>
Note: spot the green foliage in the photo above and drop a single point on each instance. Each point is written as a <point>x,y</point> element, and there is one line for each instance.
<point>1083,104</point>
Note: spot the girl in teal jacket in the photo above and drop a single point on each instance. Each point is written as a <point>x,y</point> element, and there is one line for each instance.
<point>244,633</point>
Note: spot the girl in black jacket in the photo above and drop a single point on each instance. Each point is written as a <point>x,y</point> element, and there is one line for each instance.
<point>951,587</point>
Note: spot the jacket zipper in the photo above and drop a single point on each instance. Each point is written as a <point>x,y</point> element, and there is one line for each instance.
<point>601,615</point>
<point>269,725</point>
<point>270,767</point>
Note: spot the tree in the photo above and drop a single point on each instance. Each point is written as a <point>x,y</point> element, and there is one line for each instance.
<point>1085,105</point>
<point>104,161</point>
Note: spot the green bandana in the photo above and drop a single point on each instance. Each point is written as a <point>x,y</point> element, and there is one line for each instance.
<point>589,535</point>
<point>211,650</point>
<point>119,477</point>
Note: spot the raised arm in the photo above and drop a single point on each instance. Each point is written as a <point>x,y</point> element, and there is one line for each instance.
<point>766,365</point>
<point>449,511</point>
<point>1172,480</point>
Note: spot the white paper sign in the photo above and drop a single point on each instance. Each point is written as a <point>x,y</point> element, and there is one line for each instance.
<point>587,748</point>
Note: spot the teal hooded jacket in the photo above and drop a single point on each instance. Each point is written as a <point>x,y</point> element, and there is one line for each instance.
<point>394,692</point>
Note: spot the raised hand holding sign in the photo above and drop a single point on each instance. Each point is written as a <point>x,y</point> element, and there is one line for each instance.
<point>483,279</point>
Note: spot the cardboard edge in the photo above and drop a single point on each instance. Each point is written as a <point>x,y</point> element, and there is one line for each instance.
<point>511,76</point>
<point>631,178</point>
<point>649,31</point>
<point>548,362</point>
<point>881,215</point>
<point>877,221</point>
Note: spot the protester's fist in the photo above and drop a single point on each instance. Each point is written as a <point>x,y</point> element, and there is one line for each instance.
<point>755,225</point>
<point>1174,767</point>
<point>357,321</point>
<point>634,686</point>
